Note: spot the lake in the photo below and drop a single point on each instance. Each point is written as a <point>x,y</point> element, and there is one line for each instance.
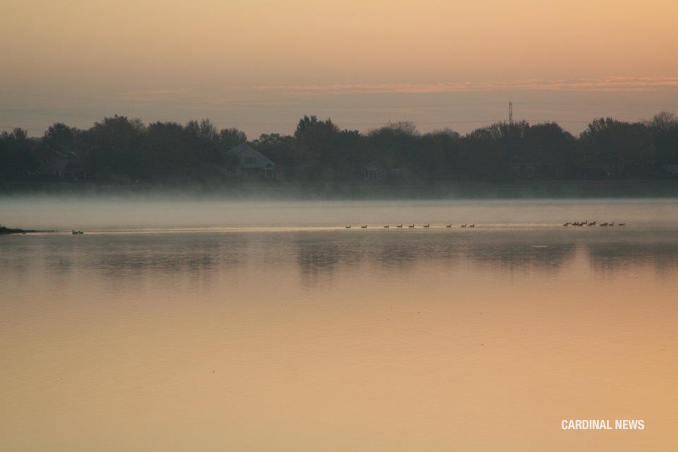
<point>206,325</point>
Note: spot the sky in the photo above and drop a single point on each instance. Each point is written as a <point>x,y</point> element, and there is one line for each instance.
<point>260,65</point>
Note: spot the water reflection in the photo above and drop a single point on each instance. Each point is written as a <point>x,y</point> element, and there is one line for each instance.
<point>450,340</point>
<point>317,255</point>
<point>608,257</point>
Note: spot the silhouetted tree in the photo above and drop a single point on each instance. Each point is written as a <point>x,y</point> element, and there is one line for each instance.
<point>279,148</point>
<point>113,149</point>
<point>123,149</point>
<point>17,156</point>
<point>314,140</point>
<point>664,131</point>
<point>551,150</point>
<point>620,148</point>
<point>232,137</point>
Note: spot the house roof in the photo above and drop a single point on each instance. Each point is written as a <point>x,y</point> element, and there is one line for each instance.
<point>240,149</point>
<point>245,148</point>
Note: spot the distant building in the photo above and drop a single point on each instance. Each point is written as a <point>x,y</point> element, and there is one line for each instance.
<point>251,161</point>
<point>54,165</point>
<point>62,165</point>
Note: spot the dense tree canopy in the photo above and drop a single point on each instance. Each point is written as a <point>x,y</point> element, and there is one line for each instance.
<point>126,150</point>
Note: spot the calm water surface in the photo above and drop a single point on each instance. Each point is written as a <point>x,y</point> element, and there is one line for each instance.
<point>309,336</point>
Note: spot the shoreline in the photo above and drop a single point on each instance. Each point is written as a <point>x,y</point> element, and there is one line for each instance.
<point>7,231</point>
<point>274,190</point>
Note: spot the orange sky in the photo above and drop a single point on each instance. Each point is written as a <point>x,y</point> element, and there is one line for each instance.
<point>259,64</point>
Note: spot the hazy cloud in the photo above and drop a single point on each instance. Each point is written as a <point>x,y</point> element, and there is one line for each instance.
<point>596,84</point>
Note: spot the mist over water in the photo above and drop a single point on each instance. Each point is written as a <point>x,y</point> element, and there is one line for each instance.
<point>171,212</point>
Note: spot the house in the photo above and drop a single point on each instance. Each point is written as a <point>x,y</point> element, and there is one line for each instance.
<point>62,165</point>
<point>54,165</point>
<point>250,161</point>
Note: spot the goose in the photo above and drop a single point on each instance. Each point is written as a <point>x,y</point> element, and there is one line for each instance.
<point>472,226</point>
<point>427,225</point>
<point>612,224</point>
<point>411,226</point>
<point>603,224</point>
<point>363,226</point>
<point>386,226</point>
<point>566,224</point>
<point>399,226</point>
<point>448,225</point>
<point>348,227</point>
<point>622,224</point>
<point>463,225</point>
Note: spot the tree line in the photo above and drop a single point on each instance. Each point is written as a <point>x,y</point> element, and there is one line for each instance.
<point>119,149</point>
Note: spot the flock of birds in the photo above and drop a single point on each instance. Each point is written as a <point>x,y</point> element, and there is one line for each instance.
<point>465,225</point>
<point>593,223</point>
<point>411,226</point>
<point>473,225</point>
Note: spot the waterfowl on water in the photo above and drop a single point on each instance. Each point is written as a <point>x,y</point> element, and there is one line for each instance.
<point>411,226</point>
<point>463,225</point>
<point>427,225</point>
<point>448,225</point>
<point>363,226</point>
<point>399,226</point>
<point>386,226</point>
<point>348,227</point>
<point>566,224</point>
<point>472,226</point>
<point>622,224</point>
